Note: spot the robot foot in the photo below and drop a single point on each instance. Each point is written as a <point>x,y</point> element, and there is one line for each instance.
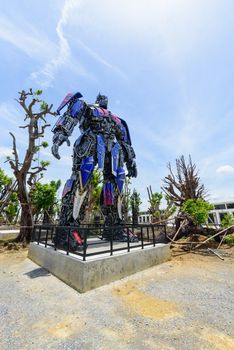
<point>75,241</point>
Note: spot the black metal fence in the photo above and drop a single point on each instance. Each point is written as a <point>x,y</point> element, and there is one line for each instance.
<point>93,238</point>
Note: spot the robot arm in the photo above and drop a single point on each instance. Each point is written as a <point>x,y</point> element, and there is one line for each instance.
<point>129,154</point>
<point>129,157</point>
<point>67,122</point>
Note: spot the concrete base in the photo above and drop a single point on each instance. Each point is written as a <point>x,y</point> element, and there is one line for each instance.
<point>86,275</point>
<point>7,235</point>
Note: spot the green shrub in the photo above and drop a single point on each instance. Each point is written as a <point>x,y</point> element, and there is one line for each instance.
<point>198,209</point>
<point>229,239</point>
<point>227,221</point>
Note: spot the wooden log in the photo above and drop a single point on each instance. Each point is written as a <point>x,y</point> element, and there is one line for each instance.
<point>215,253</point>
<point>208,239</point>
<point>177,232</point>
<point>222,239</point>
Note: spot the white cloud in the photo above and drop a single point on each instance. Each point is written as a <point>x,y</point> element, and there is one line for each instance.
<point>5,151</point>
<point>35,44</point>
<point>10,113</point>
<point>46,74</point>
<point>226,169</point>
<point>101,60</point>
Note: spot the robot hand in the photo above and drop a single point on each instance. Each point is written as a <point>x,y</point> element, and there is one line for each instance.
<point>58,140</point>
<point>132,169</point>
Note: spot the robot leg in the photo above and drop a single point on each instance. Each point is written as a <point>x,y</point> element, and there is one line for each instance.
<point>75,193</point>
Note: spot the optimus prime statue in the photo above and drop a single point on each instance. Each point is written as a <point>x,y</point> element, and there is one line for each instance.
<point>104,141</point>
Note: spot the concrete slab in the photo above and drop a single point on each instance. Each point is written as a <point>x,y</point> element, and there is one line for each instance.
<point>6,235</point>
<point>98,271</point>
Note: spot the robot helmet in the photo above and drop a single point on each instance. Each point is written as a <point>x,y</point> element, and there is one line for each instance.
<point>102,100</point>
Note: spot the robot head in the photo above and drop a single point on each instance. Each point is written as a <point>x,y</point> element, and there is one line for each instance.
<point>102,100</point>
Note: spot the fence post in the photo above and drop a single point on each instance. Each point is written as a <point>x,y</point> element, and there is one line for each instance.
<point>128,239</point>
<point>47,232</point>
<point>153,235</point>
<point>111,242</point>
<point>147,233</point>
<point>56,238</point>
<point>85,244</point>
<point>39,235</point>
<point>165,231</point>
<point>33,238</point>
<point>68,241</point>
<point>142,243</point>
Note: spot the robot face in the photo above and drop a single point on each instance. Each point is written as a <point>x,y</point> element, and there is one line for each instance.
<point>102,101</point>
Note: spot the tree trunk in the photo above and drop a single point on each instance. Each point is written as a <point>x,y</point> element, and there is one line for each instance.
<point>26,219</point>
<point>48,216</point>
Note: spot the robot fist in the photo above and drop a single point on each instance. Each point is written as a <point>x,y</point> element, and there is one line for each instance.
<point>58,140</point>
<point>132,169</point>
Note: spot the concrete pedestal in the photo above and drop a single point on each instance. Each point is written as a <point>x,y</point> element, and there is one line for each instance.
<point>86,275</point>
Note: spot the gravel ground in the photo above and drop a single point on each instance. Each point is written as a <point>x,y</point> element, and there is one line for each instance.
<point>183,304</point>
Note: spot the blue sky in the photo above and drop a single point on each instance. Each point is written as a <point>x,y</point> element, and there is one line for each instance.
<point>166,65</point>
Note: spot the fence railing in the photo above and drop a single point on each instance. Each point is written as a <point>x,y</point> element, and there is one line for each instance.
<point>99,239</point>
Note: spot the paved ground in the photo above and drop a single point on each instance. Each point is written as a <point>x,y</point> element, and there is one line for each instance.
<point>183,304</point>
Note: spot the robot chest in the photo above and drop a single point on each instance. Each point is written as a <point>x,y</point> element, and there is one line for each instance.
<point>102,122</point>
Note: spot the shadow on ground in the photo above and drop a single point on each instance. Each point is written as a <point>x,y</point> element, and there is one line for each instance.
<point>40,272</point>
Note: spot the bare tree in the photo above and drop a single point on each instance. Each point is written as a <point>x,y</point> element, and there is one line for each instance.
<point>35,111</point>
<point>184,183</point>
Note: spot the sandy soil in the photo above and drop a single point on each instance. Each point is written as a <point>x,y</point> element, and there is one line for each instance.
<point>186,303</point>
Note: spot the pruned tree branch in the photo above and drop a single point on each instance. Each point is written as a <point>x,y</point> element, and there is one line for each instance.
<point>33,174</point>
<point>36,135</point>
<point>185,183</point>
<point>14,163</point>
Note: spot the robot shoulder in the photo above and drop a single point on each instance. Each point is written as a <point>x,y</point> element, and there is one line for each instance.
<point>97,111</point>
<point>68,98</point>
<point>125,130</point>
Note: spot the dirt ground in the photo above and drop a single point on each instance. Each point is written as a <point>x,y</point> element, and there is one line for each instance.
<point>186,303</point>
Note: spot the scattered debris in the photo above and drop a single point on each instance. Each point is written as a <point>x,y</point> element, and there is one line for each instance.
<point>215,253</point>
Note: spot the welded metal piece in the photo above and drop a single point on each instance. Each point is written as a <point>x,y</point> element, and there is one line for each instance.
<point>120,179</point>
<point>115,158</point>
<point>78,201</point>
<point>86,170</point>
<point>68,187</point>
<point>101,149</point>
<point>68,98</point>
<point>119,206</point>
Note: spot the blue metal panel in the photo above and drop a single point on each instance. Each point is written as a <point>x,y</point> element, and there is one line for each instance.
<point>86,170</point>
<point>120,178</point>
<point>101,150</point>
<point>68,187</point>
<point>97,112</point>
<point>115,158</point>
<point>76,108</point>
<point>67,99</point>
<point>126,131</point>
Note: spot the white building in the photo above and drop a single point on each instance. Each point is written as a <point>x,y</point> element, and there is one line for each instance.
<point>144,217</point>
<point>215,216</point>
<point>220,210</point>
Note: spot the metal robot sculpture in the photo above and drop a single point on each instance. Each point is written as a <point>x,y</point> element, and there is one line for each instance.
<point>104,141</point>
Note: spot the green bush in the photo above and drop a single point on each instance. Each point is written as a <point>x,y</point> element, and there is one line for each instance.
<point>198,209</point>
<point>227,221</point>
<point>229,239</point>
